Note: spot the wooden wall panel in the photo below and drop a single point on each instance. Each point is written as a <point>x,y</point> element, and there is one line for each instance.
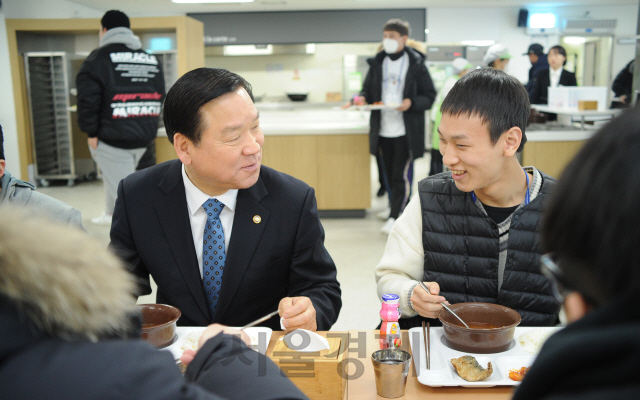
<point>550,157</point>
<point>293,155</point>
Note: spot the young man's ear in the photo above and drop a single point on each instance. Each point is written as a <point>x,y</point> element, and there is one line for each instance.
<point>512,139</point>
<point>3,165</point>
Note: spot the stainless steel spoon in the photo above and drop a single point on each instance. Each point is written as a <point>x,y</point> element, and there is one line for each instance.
<point>444,305</point>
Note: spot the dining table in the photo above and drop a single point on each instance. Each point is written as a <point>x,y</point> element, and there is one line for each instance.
<point>360,379</point>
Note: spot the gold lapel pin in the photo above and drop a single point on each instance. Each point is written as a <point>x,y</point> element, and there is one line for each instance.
<point>257,219</point>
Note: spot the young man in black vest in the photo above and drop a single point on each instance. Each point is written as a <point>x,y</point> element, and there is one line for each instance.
<point>472,234</point>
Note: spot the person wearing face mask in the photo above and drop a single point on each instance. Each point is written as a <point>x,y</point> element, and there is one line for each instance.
<point>553,76</point>
<point>497,57</point>
<point>399,78</point>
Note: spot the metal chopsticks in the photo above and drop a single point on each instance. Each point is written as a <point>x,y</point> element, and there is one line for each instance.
<point>256,322</point>
<point>427,343</point>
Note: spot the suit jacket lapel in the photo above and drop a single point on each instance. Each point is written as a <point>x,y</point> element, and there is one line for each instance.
<point>245,237</point>
<point>173,215</point>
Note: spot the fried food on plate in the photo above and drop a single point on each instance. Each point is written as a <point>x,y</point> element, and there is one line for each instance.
<point>469,369</point>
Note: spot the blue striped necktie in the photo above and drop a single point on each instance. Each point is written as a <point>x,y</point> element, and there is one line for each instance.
<point>213,253</point>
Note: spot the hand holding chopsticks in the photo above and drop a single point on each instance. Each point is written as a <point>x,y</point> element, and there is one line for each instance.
<point>443,304</point>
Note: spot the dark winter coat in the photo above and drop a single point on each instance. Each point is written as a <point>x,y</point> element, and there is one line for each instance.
<point>418,88</point>
<point>120,94</point>
<point>66,330</point>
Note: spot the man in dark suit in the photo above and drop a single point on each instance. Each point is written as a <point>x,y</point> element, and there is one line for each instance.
<point>226,239</point>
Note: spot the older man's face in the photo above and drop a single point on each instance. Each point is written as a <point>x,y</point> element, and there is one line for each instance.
<point>230,150</point>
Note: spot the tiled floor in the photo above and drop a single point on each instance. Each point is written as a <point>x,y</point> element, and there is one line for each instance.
<point>356,245</point>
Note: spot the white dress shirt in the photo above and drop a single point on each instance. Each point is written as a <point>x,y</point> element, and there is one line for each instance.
<point>554,77</point>
<point>198,217</point>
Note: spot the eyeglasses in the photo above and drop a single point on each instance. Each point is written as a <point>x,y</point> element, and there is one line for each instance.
<point>549,268</point>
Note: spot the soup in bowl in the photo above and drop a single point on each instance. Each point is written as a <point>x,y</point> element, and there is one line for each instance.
<point>491,327</point>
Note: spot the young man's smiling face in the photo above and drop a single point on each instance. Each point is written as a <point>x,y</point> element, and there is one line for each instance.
<point>465,143</point>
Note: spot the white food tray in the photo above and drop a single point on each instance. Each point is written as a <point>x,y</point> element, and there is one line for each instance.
<point>260,337</point>
<point>442,372</point>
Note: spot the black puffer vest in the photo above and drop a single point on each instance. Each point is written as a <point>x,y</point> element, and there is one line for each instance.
<point>461,251</point>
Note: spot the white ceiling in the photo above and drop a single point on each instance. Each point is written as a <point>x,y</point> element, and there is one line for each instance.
<point>166,7</point>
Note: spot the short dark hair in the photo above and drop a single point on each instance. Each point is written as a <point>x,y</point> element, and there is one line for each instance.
<point>115,19</point>
<point>397,25</point>
<point>496,97</point>
<point>560,51</point>
<point>190,93</point>
<point>592,220</point>
<point>1,144</point>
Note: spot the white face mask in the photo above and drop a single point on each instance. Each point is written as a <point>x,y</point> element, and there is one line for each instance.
<point>390,45</point>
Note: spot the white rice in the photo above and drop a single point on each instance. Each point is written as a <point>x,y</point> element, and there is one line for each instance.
<point>532,341</point>
<point>190,341</point>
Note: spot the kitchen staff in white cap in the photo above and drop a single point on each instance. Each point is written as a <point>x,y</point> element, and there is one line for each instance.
<point>497,57</point>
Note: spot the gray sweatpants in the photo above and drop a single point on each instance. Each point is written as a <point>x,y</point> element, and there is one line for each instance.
<point>115,164</point>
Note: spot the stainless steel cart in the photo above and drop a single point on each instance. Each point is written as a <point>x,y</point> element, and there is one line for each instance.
<point>47,76</point>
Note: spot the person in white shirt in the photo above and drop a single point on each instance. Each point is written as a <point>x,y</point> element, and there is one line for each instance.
<point>398,78</point>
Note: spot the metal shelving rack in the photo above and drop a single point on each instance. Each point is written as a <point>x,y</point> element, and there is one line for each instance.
<point>48,93</point>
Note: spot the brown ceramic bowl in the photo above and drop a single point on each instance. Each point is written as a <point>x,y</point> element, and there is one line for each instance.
<point>491,327</point>
<point>159,324</point>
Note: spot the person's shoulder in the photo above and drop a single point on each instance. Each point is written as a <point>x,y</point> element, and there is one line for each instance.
<point>154,173</point>
<point>275,179</point>
<point>441,183</point>
<point>415,57</point>
<point>54,209</point>
<point>543,71</point>
<point>377,59</point>
<point>548,183</point>
<point>144,183</point>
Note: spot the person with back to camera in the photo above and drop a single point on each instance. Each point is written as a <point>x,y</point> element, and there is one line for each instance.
<point>553,76</point>
<point>591,229</point>
<point>497,57</point>
<point>67,329</point>
<point>472,234</point>
<point>538,63</point>
<point>226,239</point>
<point>16,192</point>
<point>460,67</point>
<point>623,85</point>
<point>120,92</point>
<point>397,76</point>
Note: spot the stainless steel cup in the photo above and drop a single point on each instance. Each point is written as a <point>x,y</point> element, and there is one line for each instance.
<point>391,367</point>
